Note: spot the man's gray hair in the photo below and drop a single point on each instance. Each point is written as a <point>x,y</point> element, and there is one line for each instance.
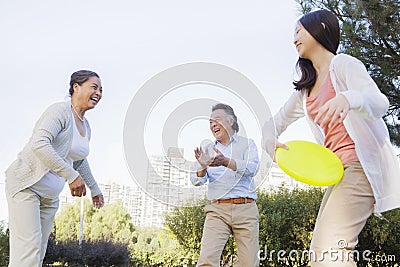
<point>228,110</point>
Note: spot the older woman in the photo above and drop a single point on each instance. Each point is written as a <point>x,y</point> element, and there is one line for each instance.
<point>55,153</point>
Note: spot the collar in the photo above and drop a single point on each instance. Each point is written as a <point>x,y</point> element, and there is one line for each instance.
<point>234,137</point>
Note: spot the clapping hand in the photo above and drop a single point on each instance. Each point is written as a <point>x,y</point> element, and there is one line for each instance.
<point>219,159</point>
<point>203,157</point>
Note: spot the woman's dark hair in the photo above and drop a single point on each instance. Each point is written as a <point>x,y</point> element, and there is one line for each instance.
<point>229,110</point>
<point>323,25</point>
<point>80,77</point>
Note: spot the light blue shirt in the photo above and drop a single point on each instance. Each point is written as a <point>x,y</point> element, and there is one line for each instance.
<point>223,182</point>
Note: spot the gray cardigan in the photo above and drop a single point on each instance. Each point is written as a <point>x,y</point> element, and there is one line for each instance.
<point>46,150</point>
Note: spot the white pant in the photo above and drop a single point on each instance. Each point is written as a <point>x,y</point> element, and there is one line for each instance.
<point>30,221</point>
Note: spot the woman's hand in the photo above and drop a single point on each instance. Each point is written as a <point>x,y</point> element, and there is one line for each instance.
<point>281,145</point>
<point>98,201</point>
<point>332,111</point>
<point>77,187</point>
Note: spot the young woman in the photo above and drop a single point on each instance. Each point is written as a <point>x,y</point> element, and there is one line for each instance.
<point>55,153</point>
<point>344,109</point>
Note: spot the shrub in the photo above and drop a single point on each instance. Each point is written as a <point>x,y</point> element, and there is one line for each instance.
<point>96,253</point>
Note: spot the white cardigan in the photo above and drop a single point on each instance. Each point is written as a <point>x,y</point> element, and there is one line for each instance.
<point>47,150</point>
<point>364,124</point>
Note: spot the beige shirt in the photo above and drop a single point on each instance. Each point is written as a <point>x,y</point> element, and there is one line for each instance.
<point>51,184</point>
<point>47,150</point>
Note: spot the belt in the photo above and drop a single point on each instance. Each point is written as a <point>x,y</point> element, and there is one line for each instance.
<point>239,200</point>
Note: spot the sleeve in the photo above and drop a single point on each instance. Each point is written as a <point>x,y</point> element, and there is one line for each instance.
<point>248,166</point>
<point>361,91</point>
<point>291,111</point>
<point>49,125</point>
<point>197,181</point>
<point>83,169</point>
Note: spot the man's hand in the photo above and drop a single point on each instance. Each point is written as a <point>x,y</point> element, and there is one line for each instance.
<point>77,187</point>
<point>203,157</point>
<point>221,160</point>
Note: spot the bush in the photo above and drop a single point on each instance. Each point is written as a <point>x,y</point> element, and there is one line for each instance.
<point>287,220</point>
<point>380,240</point>
<point>159,247</point>
<point>97,253</point>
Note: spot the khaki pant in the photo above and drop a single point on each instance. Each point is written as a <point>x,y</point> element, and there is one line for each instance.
<point>344,211</point>
<point>223,219</point>
<point>30,221</point>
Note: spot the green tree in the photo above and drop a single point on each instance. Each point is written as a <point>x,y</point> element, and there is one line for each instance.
<point>107,233</point>
<point>66,223</point>
<point>287,219</point>
<point>186,223</point>
<point>371,32</point>
<point>110,223</point>
<point>158,247</point>
<point>4,245</point>
<point>380,238</point>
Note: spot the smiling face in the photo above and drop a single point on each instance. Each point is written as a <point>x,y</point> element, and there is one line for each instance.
<point>89,93</point>
<point>304,42</point>
<point>221,126</point>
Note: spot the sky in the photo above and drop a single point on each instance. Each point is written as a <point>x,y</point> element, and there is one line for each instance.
<point>128,43</point>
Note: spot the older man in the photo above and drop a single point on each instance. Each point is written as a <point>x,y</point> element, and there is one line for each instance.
<point>231,191</point>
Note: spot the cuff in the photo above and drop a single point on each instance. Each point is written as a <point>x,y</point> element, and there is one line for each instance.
<point>241,166</point>
<point>354,98</point>
<point>94,190</point>
<point>72,177</point>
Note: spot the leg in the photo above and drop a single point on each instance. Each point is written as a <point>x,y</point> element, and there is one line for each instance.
<point>48,209</point>
<point>215,234</point>
<point>343,213</point>
<point>245,229</point>
<point>25,229</point>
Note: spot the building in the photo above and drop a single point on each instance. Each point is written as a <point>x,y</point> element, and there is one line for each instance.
<point>168,185</point>
<point>277,178</point>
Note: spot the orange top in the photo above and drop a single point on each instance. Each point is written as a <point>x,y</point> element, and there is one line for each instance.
<point>336,138</point>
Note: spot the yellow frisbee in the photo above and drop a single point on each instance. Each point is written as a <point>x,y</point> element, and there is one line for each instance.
<point>310,163</point>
